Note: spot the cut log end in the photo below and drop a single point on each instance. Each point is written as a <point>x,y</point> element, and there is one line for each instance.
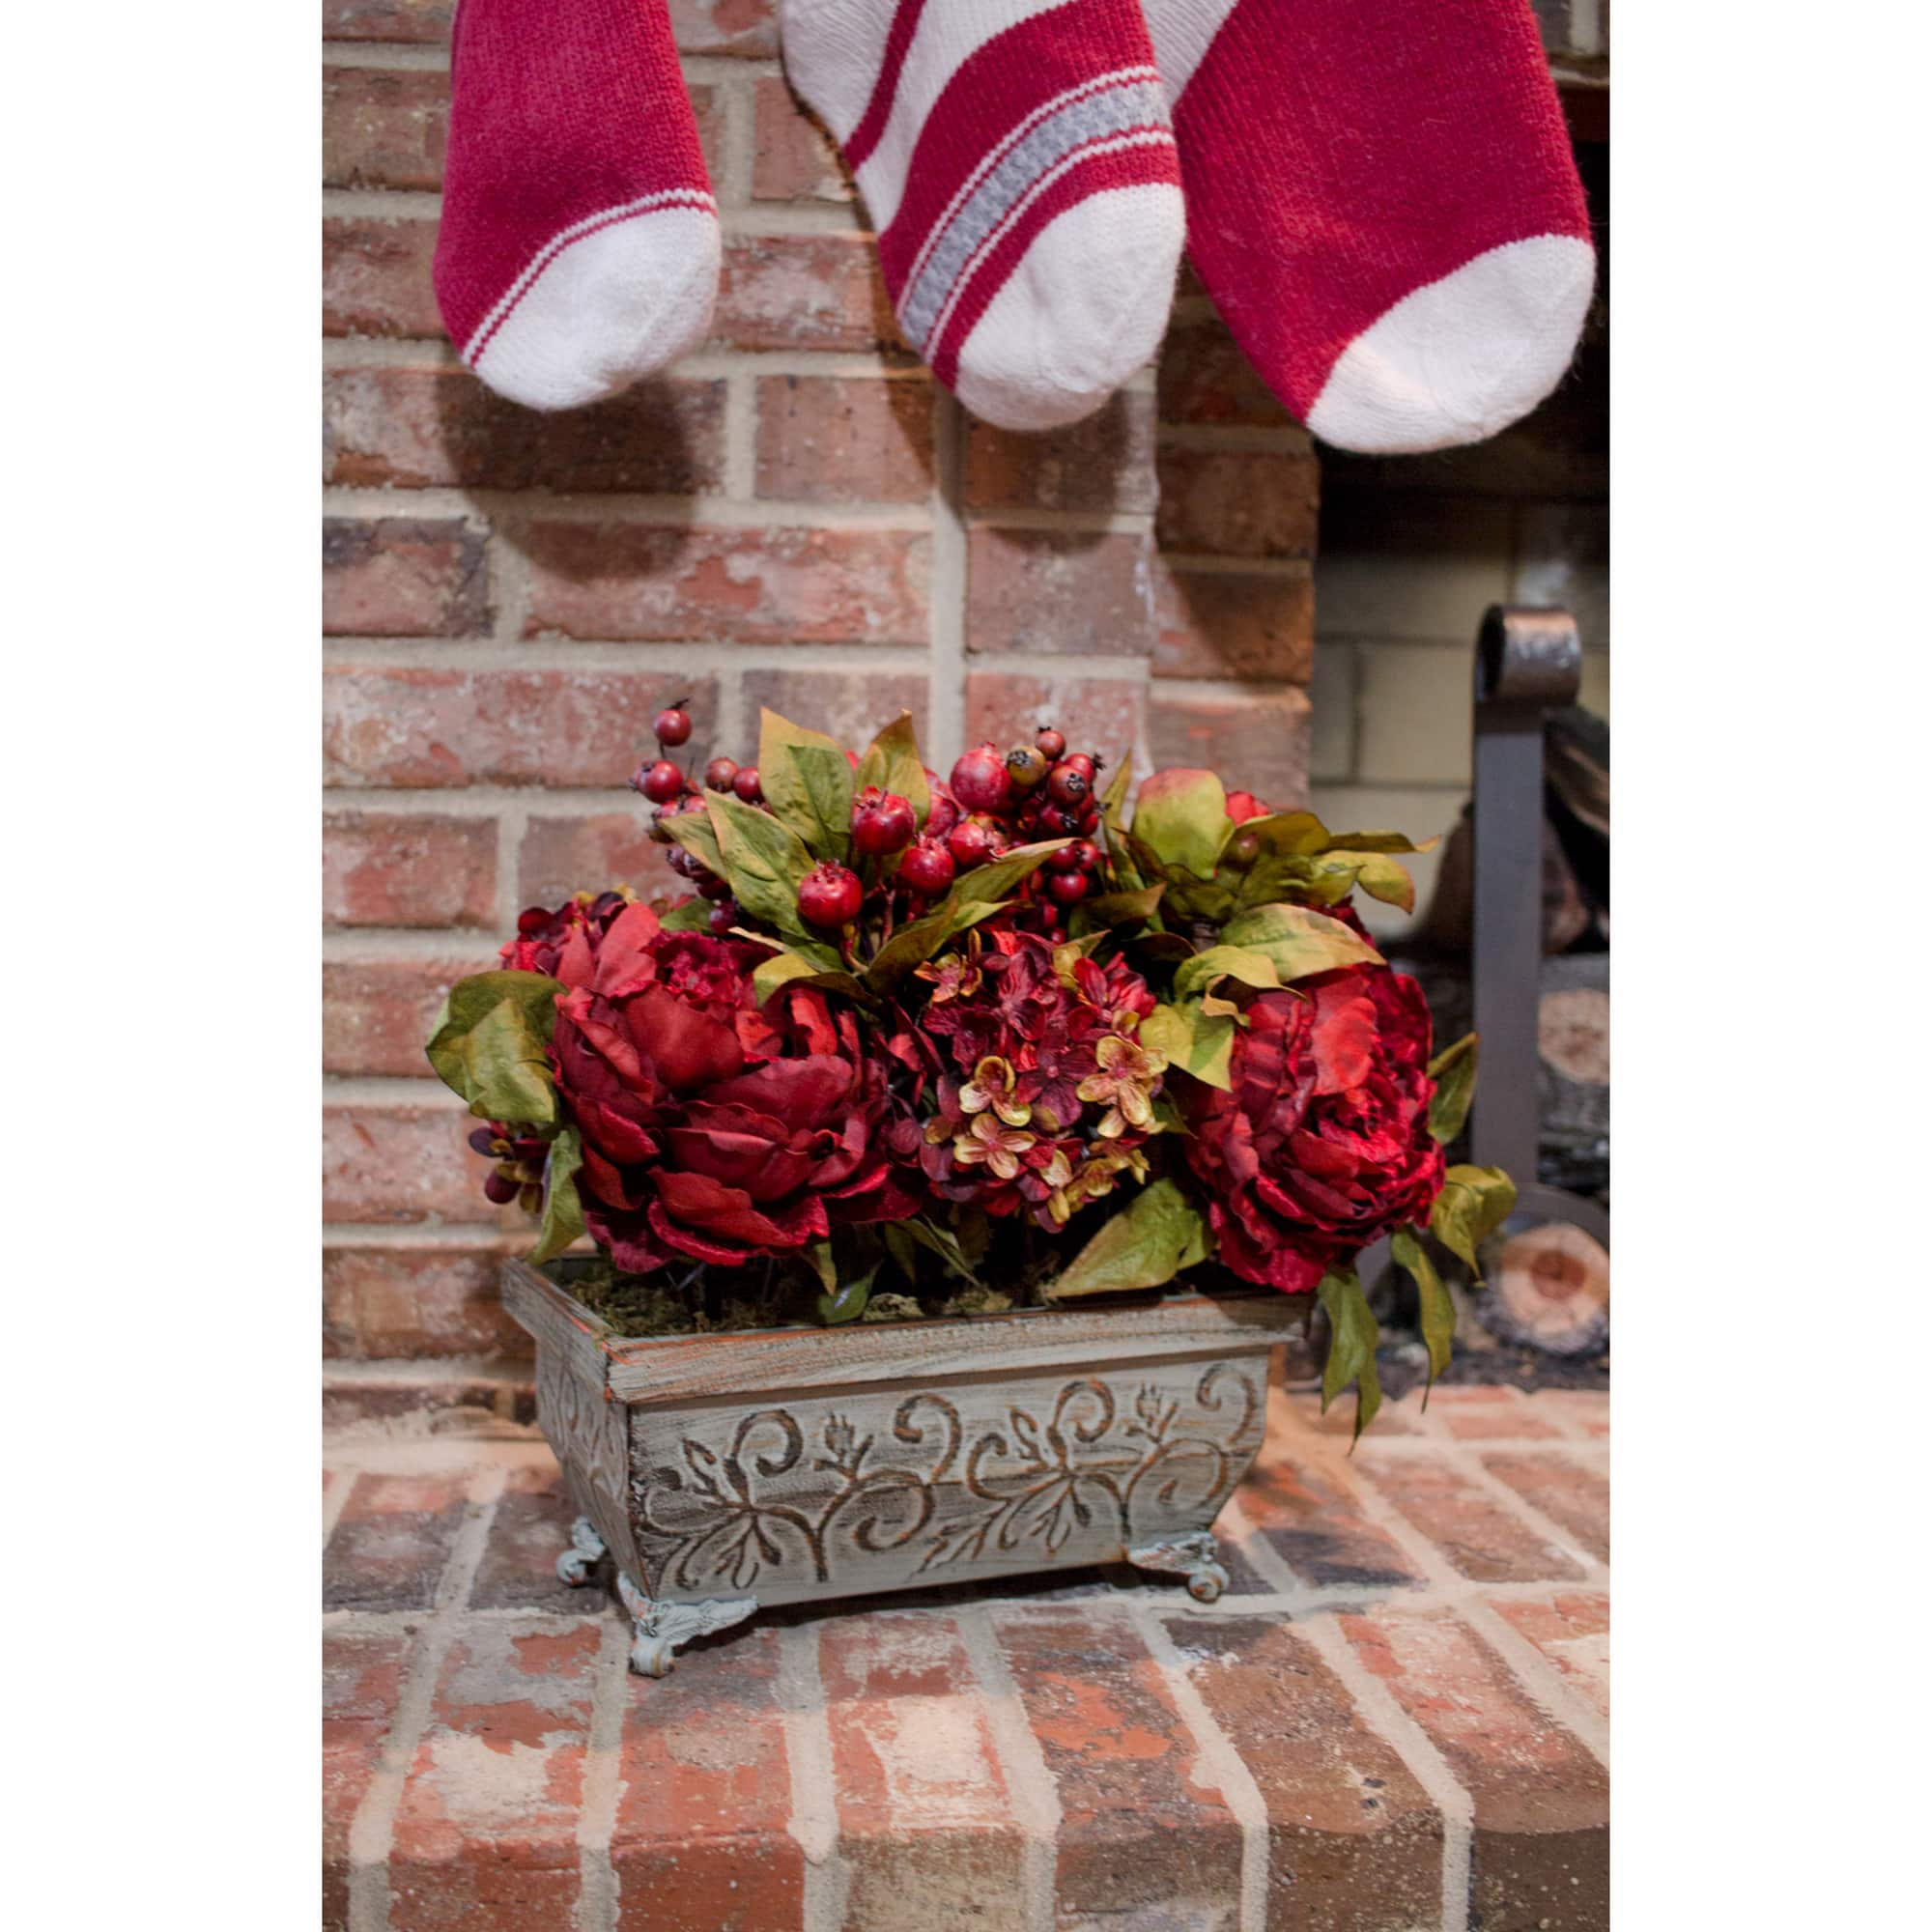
<point>1549,1288</point>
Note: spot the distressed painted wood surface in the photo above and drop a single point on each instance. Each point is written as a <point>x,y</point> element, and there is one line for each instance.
<point>799,1466</point>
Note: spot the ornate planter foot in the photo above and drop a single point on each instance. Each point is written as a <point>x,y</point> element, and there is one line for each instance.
<point>657,1629</point>
<point>586,1551</point>
<point>1197,1557</point>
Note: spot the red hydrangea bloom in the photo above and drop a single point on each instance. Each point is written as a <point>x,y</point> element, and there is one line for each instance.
<point>713,1128</point>
<point>543,936</point>
<point>1323,1144</point>
<point>1042,1092</point>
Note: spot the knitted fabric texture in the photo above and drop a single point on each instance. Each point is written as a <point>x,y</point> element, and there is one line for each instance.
<point>1018,164</point>
<point>578,248</point>
<point>1383,202</point>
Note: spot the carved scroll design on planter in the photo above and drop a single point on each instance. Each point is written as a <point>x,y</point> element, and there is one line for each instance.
<point>1106,1461</point>
<point>588,1433</point>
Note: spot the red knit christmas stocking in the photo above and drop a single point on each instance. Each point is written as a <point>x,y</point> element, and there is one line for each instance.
<point>1017,159</point>
<point>1382,203</point>
<point>578,246</point>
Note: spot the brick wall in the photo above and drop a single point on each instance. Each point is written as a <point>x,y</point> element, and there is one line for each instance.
<point>794,516</point>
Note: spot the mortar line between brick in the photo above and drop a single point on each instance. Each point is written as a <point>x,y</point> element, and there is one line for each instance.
<point>726,67</point>
<point>734,190</point>
<point>1079,522</point>
<point>1022,1763</point>
<point>1383,1715</point>
<point>1539,1678</point>
<point>335,1503</point>
<point>373,1827</point>
<point>410,1235</point>
<point>1222,1761</point>
<point>946,680</point>
<point>597,1814</point>
<point>512,822</point>
<point>367,54</point>
<point>372,352</point>
<point>814,1793</point>
<point>1531,1518</point>
<point>1258,1553</point>
<point>582,655</point>
<point>507,508</point>
<point>741,435</point>
<point>382,204</point>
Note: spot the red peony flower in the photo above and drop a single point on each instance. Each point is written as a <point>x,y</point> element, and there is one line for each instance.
<point>1323,1142</point>
<point>1042,1092</point>
<point>711,1127</point>
<point>544,937</point>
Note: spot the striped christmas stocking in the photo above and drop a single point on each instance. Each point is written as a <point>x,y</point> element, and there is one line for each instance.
<point>1383,202</point>
<point>579,245</point>
<point>1018,165</point>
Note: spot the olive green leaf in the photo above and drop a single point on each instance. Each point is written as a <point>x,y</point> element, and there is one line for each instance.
<point>1181,816</point>
<point>1218,962</point>
<point>912,945</point>
<point>1352,1346</point>
<point>997,878</point>
<point>1436,1309</point>
<point>696,832</point>
<point>1474,1203</point>
<point>1195,1041</point>
<point>763,859</point>
<point>808,783</point>
<point>1149,1242</point>
<point>1454,1073</point>
<point>1132,908</point>
<point>489,1045</point>
<point>563,1218</point>
<point>1298,940</point>
<point>1115,796</point>
<point>788,967</point>
<point>693,916</point>
<point>891,762</point>
<point>942,1242</point>
<point>1376,842</point>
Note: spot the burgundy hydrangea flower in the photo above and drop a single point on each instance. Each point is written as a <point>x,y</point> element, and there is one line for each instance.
<point>544,937</point>
<point>1041,1092</point>
<point>713,1128</point>
<point>1323,1144</point>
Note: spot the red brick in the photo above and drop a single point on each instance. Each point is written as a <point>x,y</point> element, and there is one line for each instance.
<point>562,856</point>
<point>849,705</point>
<point>1308,1512</point>
<point>1354,1842</point>
<point>434,424</point>
<point>749,27</point>
<point>1059,591</point>
<point>528,1532</point>
<point>707,109</point>
<point>385,726</point>
<point>391,1542</point>
<point>1479,1413</point>
<point>384,128</point>
<point>362,1681</point>
<point>402,577</point>
<point>669,582</point>
<point>375,1013</point>
<point>1257,740</point>
<point>927,1824</point>
<point>845,439</point>
<point>1482,1539</point>
<point>1105,463</point>
<point>804,291</point>
<point>701,1842</point>
<point>393,868</point>
<point>1573,1498</point>
<point>1106,715</point>
<point>486,1833</point>
<point>415,20</point>
<point>430,1400</point>
<point>1573,1630</point>
<point>794,158</point>
<point>375,276</point>
<point>1205,378</point>
<point>1238,502</point>
<point>1541,1858</point>
<point>1234,624</point>
<point>400,1164</point>
<point>1581,1411</point>
<point>1145,1832</point>
<point>416,1303</point>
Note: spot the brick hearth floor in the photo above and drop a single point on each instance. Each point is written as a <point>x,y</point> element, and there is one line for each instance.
<point>1397,1717</point>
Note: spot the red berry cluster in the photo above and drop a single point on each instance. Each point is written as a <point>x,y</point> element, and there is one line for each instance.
<point>666,784</point>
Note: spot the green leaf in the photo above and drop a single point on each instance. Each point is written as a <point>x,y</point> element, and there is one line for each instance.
<point>1195,1042</point>
<point>1149,1242</point>
<point>1181,816</point>
<point>1286,834</point>
<point>1376,842</point>
<point>944,1244</point>
<point>696,832</point>
<point>692,916</point>
<point>562,1218</point>
<point>996,879</point>
<point>489,1045</point>
<point>1381,877</point>
<point>1115,796</point>
<point>1474,1203</point>
<point>1122,908</point>
<point>1437,1309</point>
<point>784,968</point>
<point>891,762</point>
<point>912,945</point>
<point>1352,1346</point>
<point>763,859</point>
<point>1218,962</point>
<point>1454,1073</point>
<point>808,783</point>
<point>1298,940</point>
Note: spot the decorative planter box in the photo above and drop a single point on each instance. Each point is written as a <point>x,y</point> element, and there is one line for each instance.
<point>792,1466</point>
